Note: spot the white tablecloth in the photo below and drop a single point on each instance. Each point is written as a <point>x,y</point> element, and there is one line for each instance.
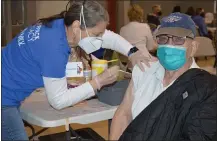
<point>36,110</point>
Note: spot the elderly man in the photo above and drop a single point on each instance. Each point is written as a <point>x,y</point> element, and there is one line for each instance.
<point>173,99</point>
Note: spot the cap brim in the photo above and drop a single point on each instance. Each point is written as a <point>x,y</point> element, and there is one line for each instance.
<point>175,31</point>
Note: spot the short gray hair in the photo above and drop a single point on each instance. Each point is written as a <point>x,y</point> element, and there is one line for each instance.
<point>92,10</point>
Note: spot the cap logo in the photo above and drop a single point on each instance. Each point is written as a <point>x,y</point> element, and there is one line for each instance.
<point>172,19</point>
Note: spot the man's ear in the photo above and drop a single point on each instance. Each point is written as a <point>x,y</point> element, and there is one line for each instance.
<point>195,45</point>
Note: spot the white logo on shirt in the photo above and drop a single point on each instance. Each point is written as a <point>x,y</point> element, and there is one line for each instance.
<point>21,40</point>
<point>34,33</point>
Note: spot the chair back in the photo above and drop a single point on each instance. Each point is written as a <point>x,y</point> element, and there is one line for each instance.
<point>197,31</point>
<point>209,17</point>
<point>205,47</point>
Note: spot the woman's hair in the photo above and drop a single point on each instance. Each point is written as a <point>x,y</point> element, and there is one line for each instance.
<point>135,13</point>
<point>190,11</point>
<point>199,11</point>
<point>93,13</point>
<point>176,9</point>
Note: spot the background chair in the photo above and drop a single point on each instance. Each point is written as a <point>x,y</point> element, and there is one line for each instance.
<point>197,31</point>
<point>209,17</point>
<point>205,48</point>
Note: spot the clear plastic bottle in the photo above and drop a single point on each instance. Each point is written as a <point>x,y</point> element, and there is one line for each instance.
<point>87,74</point>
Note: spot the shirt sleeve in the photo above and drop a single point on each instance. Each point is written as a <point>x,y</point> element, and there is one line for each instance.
<point>204,28</point>
<point>115,42</point>
<point>59,96</point>
<point>137,76</point>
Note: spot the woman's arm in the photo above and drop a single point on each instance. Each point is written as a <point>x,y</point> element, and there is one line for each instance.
<point>115,42</point>
<point>123,115</point>
<point>59,96</point>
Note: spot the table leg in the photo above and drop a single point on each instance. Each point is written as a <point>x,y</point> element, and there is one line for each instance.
<point>109,125</point>
<point>74,133</point>
<point>26,124</point>
<point>38,133</point>
<point>68,135</point>
<point>34,134</point>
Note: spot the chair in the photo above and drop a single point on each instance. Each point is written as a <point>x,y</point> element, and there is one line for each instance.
<point>209,17</point>
<point>205,48</point>
<point>197,31</point>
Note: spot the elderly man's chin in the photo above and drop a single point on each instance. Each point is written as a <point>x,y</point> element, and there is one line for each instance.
<point>186,66</point>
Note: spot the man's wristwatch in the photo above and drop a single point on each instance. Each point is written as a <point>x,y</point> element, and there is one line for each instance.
<point>132,50</point>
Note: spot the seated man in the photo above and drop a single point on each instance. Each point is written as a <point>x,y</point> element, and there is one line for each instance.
<point>173,99</point>
<point>200,22</point>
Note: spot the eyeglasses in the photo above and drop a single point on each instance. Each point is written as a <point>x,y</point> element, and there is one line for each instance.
<point>163,39</point>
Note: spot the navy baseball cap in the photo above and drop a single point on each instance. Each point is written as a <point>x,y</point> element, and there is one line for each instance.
<point>177,24</point>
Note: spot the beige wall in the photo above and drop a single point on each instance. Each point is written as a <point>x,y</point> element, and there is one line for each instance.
<point>49,8</point>
<point>122,18</point>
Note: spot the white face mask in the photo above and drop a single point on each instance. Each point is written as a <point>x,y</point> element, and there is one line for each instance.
<point>89,44</point>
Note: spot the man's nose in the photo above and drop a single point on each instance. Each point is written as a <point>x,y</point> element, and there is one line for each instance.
<point>170,41</point>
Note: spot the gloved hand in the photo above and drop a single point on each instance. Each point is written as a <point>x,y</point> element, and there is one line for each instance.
<point>107,77</point>
<point>141,56</point>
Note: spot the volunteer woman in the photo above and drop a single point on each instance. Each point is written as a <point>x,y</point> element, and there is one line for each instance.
<point>38,56</point>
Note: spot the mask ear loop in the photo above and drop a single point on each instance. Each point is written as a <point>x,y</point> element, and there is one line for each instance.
<point>82,12</point>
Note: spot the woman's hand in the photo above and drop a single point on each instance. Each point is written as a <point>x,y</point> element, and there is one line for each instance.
<point>140,57</point>
<point>107,77</point>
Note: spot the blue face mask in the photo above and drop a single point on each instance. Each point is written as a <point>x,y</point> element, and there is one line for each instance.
<point>171,57</point>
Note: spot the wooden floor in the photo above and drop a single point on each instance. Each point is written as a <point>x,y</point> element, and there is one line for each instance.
<point>102,127</point>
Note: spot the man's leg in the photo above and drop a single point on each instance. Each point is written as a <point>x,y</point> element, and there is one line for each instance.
<point>12,124</point>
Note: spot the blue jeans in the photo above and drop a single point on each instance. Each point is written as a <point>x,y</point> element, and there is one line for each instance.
<point>12,124</point>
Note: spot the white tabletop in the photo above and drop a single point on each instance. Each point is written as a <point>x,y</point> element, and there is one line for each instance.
<point>36,110</point>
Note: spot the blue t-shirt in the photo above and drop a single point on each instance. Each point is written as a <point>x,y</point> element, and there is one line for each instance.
<point>199,21</point>
<point>37,51</point>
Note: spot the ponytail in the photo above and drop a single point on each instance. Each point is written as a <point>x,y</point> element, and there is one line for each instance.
<point>47,21</point>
